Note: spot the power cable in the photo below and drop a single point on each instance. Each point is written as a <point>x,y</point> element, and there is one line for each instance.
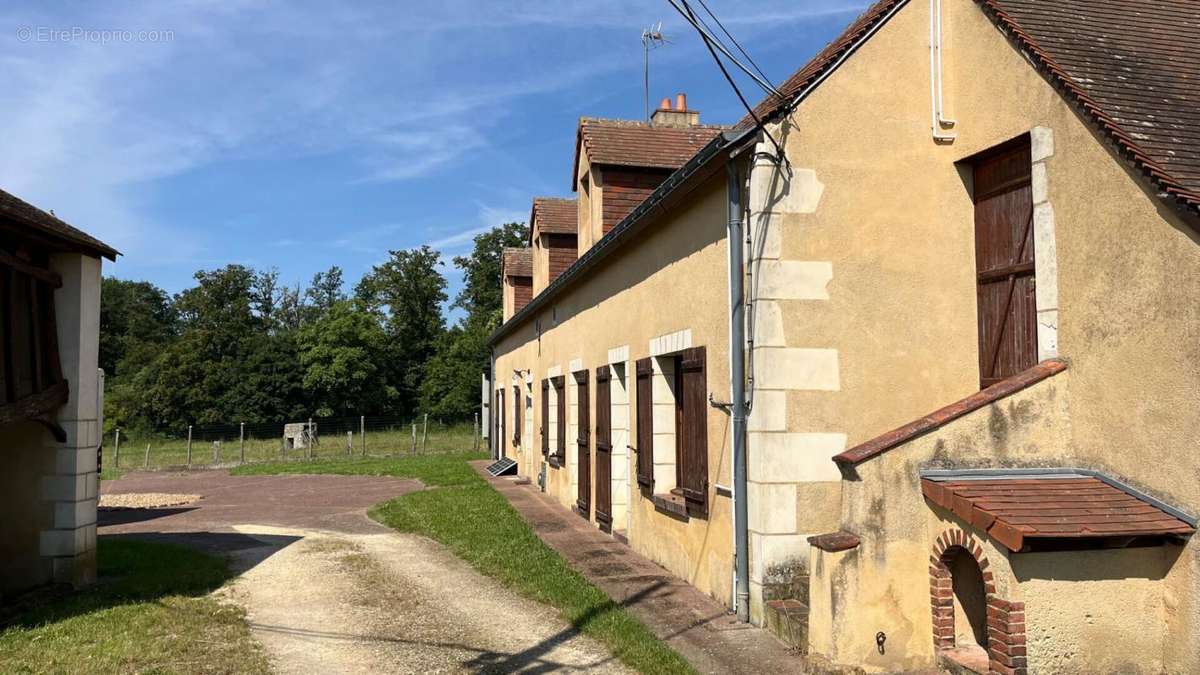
<point>735,42</point>
<point>687,13</point>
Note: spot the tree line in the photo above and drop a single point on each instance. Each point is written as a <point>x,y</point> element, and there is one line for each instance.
<point>239,346</point>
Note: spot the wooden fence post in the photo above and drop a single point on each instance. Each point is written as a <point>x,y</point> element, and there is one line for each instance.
<point>425,433</point>
<point>362,433</point>
<point>309,443</point>
<point>475,438</point>
<point>216,452</point>
<point>242,442</point>
<point>349,443</point>
<point>414,440</point>
<point>146,463</point>
<point>117,450</point>
<point>189,447</point>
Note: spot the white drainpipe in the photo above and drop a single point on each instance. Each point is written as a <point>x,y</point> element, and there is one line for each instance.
<point>937,121</point>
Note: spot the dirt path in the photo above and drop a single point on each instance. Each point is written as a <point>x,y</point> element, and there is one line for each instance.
<point>327,590</point>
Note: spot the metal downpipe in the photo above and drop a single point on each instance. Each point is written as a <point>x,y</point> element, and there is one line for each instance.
<point>737,376</point>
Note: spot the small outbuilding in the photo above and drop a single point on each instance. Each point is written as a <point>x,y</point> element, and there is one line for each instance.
<point>50,398</point>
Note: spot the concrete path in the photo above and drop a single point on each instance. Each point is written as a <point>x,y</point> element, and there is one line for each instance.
<point>327,590</point>
<point>696,625</point>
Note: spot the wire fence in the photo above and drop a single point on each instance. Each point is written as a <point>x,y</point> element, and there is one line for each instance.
<point>225,445</point>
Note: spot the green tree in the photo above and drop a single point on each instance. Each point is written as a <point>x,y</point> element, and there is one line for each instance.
<point>344,354</point>
<point>135,318</point>
<point>325,290</point>
<point>407,292</point>
<point>481,294</point>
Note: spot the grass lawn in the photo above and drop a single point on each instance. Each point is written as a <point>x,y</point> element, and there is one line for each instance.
<point>474,521</point>
<point>148,614</point>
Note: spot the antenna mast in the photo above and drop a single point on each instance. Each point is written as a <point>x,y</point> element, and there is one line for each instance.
<point>652,38</point>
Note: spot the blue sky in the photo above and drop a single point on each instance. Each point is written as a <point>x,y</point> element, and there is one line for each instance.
<point>300,135</point>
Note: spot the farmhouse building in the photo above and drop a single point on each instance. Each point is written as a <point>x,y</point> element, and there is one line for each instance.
<point>907,372</point>
<point>50,398</point>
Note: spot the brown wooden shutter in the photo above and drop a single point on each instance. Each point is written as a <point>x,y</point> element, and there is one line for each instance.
<point>31,378</point>
<point>645,423</point>
<point>546,418</point>
<point>694,427</point>
<point>500,408</point>
<point>583,445</point>
<point>560,393</point>
<point>603,449</point>
<point>517,414</point>
<point>1004,260</point>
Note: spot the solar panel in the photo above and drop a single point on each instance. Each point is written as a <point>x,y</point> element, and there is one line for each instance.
<point>502,467</point>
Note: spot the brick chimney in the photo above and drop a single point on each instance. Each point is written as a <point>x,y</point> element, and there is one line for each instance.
<point>676,117</point>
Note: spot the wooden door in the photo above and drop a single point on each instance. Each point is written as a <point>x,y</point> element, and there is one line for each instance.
<point>645,424</point>
<point>583,446</point>
<point>546,419</point>
<point>1004,262</point>
<point>603,449</point>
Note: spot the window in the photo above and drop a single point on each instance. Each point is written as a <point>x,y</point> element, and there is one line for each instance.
<point>1004,262</point>
<point>685,373</point>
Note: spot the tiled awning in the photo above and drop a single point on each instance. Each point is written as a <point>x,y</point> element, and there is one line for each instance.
<point>1014,508</point>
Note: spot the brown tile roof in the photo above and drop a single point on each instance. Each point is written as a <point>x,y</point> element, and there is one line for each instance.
<point>1129,68</point>
<point>517,262</point>
<point>25,215</point>
<point>1062,505</point>
<point>552,215</point>
<point>630,143</point>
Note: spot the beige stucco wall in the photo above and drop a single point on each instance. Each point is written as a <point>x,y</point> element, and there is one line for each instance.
<point>894,218</point>
<point>671,279</point>
<point>27,458</point>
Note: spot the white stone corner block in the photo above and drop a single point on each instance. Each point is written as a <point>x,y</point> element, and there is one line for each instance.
<point>772,507</point>
<point>575,365</point>
<point>769,412</point>
<point>772,549</point>
<point>554,371</point>
<point>794,457</point>
<point>1039,184</point>
<point>1041,143</point>
<point>768,324</point>
<point>784,189</point>
<point>1047,334</point>
<point>797,368</point>
<point>793,280</point>
<point>767,240</point>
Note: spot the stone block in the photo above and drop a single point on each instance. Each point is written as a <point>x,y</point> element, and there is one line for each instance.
<point>796,368</point>
<point>768,324</point>
<point>71,515</point>
<point>769,412</point>
<point>772,507</point>
<point>793,280</point>
<point>794,457</point>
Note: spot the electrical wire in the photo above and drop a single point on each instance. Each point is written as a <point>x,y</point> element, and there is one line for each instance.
<point>735,42</point>
<point>690,16</point>
<point>687,13</point>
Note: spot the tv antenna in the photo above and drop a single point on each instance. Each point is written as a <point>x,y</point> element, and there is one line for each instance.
<point>652,38</point>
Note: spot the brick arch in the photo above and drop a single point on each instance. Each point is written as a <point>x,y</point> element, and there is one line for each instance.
<point>1005,619</point>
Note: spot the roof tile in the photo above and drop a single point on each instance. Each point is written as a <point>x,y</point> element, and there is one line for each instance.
<point>630,143</point>
<point>517,262</point>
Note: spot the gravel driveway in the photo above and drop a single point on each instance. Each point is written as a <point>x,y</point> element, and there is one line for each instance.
<point>327,590</point>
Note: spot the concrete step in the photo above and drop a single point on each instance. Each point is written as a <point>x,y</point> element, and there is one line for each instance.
<point>788,621</point>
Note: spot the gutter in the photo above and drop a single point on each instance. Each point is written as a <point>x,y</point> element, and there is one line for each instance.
<point>717,151</point>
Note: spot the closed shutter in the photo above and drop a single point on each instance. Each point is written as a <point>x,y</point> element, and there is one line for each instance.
<point>694,428</point>
<point>546,418</point>
<point>560,397</point>
<point>603,449</point>
<point>517,409</point>
<point>500,411</point>
<point>583,446</point>
<point>645,424</point>
<point>1004,260</point>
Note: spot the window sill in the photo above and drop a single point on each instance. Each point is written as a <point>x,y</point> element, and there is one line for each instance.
<point>672,505</point>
